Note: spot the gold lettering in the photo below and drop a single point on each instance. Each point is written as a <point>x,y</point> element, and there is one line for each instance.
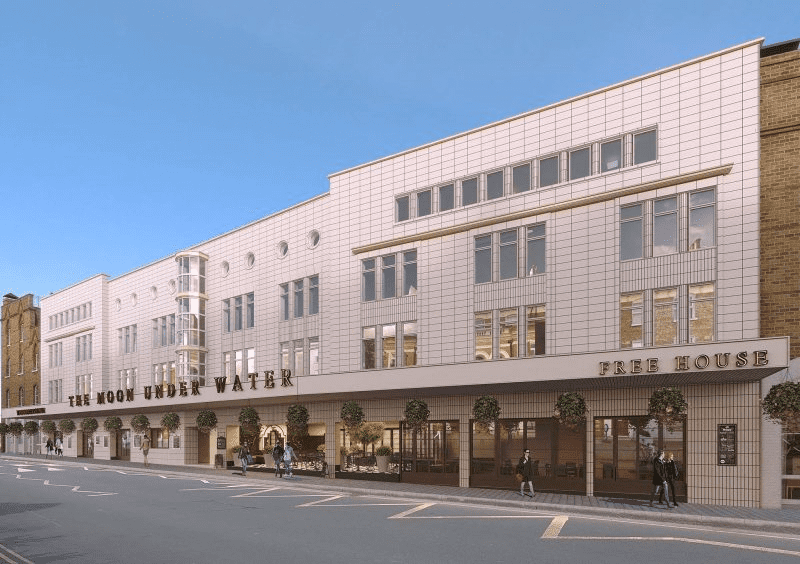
<point>286,376</point>
<point>618,367</point>
<point>702,361</point>
<point>761,358</point>
<point>652,365</point>
<point>196,388</point>
<point>719,357</point>
<point>253,376</point>
<point>636,366</point>
<point>101,398</point>
<point>183,391</point>
<point>148,392</point>
<point>237,384</point>
<point>604,366</point>
<point>269,378</point>
<point>681,363</point>
<point>741,359</point>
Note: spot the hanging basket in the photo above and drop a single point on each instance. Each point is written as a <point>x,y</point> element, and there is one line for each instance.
<point>140,423</point>
<point>206,420</point>
<point>112,424</point>
<point>416,414</point>
<point>668,407</point>
<point>89,425</point>
<point>171,422</point>
<point>570,410</point>
<point>66,426</point>
<point>782,405</point>
<point>486,411</point>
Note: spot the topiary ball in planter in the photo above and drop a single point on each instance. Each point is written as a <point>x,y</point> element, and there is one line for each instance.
<point>49,427</point>
<point>31,428</point>
<point>416,413</point>
<point>15,428</point>
<point>112,424</point>
<point>140,423</point>
<point>3,429</point>
<point>352,415</point>
<point>297,420</point>
<point>668,407</point>
<point>89,425</point>
<point>66,426</point>
<point>171,422</point>
<point>486,411</point>
<point>782,405</point>
<point>206,420</point>
<point>570,410</point>
<point>249,420</point>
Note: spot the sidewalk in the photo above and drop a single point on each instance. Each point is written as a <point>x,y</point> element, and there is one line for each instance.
<point>773,520</point>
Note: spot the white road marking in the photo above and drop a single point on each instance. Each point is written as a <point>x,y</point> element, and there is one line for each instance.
<point>408,512</point>
<point>55,469</point>
<point>555,527</point>
<point>24,470</point>
<point>329,498</point>
<point>690,541</point>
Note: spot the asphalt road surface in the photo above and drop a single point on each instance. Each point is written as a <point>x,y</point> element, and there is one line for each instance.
<point>66,512</point>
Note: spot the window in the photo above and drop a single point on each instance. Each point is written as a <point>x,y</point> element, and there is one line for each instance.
<point>368,279</point>
<point>227,366</point>
<point>423,203</point>
<point>313,356</point>
<point>644,147</point>
<point>297,353</point>
<point>401,205</point>
<point>410,343</point>
<point>548,171</point>
<point>535,252</point>
<point>447,200</point>
<point>54,391</point>
<point>21,396</point>
<point>665,316</point>
<point>508,254</point>
<point>159,438</point>
<point>630,232</point>
<point>226,316</point>
<point>521,178</point>
<point>83,384</point>
<point>389,345</point>
<point>285,356</point>
<point>494,185</point>
<point>630,322</point>
<point>8,398</point>
<point>701,219</point>
<point>469,191</point>
<point>237,313</point>
<point>509,333</point>
<point>164,331</point>
<point>368,348</point>
<point>701,313</point>
<point>534,334</point>
<point>171,329</point>
<point>611,155</point>
<point>388,275</point>
<point>284,302</point>
<point>483,259</point>
<point>313,295</point>
<point>409,272</point>
<point>298,298</point>
<point>483,335</point>
<point>238,363</point>
<point>665,226</point>
<point>580,163</point>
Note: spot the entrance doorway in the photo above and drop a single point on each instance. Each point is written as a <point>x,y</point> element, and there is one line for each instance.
<point>123,440</point>
<point>203,447</point>
<point>85,445</point>
<point>624,449</point>
<point>429,455</point>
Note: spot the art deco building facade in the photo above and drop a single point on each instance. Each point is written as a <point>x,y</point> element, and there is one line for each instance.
<point>608,244</point>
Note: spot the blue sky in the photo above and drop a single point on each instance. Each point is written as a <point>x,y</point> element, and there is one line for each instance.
<point>130,130</point>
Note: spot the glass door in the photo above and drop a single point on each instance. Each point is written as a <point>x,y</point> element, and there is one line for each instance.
<point>430,455</point>
<point>124,444</point>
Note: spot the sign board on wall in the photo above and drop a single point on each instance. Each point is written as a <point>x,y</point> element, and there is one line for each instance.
<point>220,443</point>
<point>726,444</point>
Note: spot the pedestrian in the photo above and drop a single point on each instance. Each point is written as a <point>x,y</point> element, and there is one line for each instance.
<point>525,469</point>
<point>49,448</point>
<point>288,456</point>
<point>59,447</point>
<point>672,472</point>
<point>244,456</point>
<point>145,448</point>
<point>277,456</point>
<point>659,479</point>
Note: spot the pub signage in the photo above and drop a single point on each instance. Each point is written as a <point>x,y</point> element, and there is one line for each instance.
<point>684,363</point>
<point>183,389</point>
<point>726,444</point>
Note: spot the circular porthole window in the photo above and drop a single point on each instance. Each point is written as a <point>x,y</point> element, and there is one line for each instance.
<point>249,260</point>
<point>153,292</point>
<point>313,239</point>
<point>118,304</point>
<point>134,299</point>
<point>171,286</point>
<point>283,249</point>
<point>226,268</point>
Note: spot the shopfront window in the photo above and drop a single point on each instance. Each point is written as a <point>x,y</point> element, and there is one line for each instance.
<point>429,455</point>
<point>790,464</point>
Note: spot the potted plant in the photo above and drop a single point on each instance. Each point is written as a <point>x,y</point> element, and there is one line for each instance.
<point>368,434</point>
<point>15,428</point>
<point>49,427</point>
<point>382,456</point>
<point>416,414</point>
<point>206,420</point>
<point>112,424</point>
<point>31,428</point>
<point>171,422</point>
<point>486,411</point>
<point>782,405</point>
<point>66,426</point>
<point>140,423</point>
<point>570,410</point>
<point>668,407</point>
<point>297,424</point>
<point>89,425</point>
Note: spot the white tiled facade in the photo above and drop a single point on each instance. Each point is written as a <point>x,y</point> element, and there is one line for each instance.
<point>706,117</point>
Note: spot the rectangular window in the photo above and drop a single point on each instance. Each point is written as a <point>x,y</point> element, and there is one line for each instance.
<point>368,279</point>
<point>521,178</point>
<point>509,333</point>
<point>250,318</point>
<point>164,331</point>
<point>77,349</point>
<point>155,333</point>
<point>401,205</point>
<point>297,353</point>
<point>172,329</point>
<point>535,335</point>
<point>447,199</point>
<point>298,298</point>
<point>701,220</point>
<point>494,185</point>
<point>133,339</point>
<point>285,356</point>
<point>226,316</point>
<point>313,356</point>
<point>238,362</point>
<point>389,343</point>
<point>665,226</point>
<point>630,321</point>
<point>701,313</point>
<point>611,155</point>
<point>508,254</point>
<point>368,348</point>
<point>237,313</point>
<point>423,203</point>
<point>284,302</point>
<point>388,276</point>
<point>535,252</point>
<point>127,340</point>
<point>644,147</point>
<point>250,358</point>
<point>483,259</point>
<point>469,191</point>
<point>410,343</point>
<point>665,317</point>
<point>313,295</point>
<point>409,273</point>
<point>483,335</point>
<point>580,163</point>
<point>226,366</point>
<point>630,232</point>
<point>548,171</point>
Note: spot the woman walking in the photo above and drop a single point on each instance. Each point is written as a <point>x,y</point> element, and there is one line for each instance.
<point>525,468</point>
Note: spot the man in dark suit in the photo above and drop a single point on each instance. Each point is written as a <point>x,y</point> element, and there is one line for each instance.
<point>671,471</point>
<point>660,479</point>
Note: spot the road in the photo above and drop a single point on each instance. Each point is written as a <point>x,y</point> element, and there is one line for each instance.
<point>66,512</point>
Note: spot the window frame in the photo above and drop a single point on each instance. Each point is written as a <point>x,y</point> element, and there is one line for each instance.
<point>492,185</point>
<point>570,160</point>
<point>398,209</point>
<point>477,187</point>
<point>639,134</point>
<point>541,161</point>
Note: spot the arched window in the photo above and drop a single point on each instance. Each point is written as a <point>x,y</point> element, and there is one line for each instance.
<point>21,396</point>
<point>8,398</point>
<point>36,399</point>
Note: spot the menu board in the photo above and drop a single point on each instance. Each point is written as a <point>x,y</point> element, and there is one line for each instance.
<point>726,444</point>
